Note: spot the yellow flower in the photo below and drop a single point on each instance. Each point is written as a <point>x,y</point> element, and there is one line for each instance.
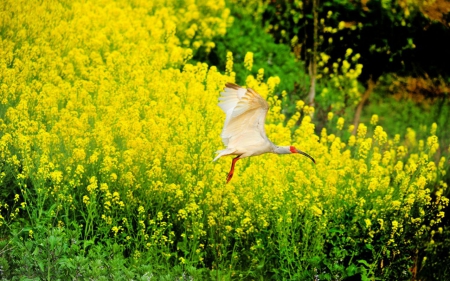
<point>324,57</point>
<point>115,230</point>
<point>351,140</point>
<point>294,41</point>
<point>104,187</point>
<point>433,128</point>
<point>368,223</point>
<point>330,116</point>
<point>361,131</point>
<point>340,123</point>
<point>379,135</point>
<point>316,211</point>
<point>182,214</point>
<point>92,184</point>
<point>349,51</point>
<point>260,75</point>
<point>364,148</point>
<point>401,151</point>
<point>394,225</point>
<point>248,61</point>
<point>351,128</point>
<point>374,119</point>
<point>396,204</point>
<point>345,66</point>
<point>229,63</point>
<point>381,223</point>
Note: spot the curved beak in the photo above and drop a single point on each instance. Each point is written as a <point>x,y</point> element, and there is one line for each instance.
<point>306,154</point>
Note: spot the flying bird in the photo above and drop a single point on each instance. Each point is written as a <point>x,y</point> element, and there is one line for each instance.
<point>243,133</point>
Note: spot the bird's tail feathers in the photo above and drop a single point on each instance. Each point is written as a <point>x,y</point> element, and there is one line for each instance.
<point>223,152</point>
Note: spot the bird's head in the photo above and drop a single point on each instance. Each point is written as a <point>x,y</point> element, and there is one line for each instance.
<point>295,150</point>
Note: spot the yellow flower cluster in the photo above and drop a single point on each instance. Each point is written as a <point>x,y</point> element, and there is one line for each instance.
<point>98,117</point>
<point>248,61</point>
<point>341,79</point>
<point>85,100</point>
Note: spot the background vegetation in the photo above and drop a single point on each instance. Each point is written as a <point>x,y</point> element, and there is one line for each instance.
<point>109,122</point>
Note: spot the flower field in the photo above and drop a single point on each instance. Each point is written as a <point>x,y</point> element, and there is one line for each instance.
<point>107,137</point>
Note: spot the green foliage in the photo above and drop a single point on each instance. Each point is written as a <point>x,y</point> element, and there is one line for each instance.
<point>52,253</point>
<point>434,261</point>
<point>389,35</point>
<point>246,35</point>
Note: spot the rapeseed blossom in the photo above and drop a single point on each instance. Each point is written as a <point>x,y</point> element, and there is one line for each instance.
<point>374,119</point>
<point>248,61</point>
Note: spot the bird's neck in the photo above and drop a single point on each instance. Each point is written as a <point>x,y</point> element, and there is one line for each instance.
<point>282,149</point>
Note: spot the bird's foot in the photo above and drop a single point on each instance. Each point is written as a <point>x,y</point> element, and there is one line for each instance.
<point>230,175</point>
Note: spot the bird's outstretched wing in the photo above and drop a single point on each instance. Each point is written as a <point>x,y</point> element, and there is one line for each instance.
<point>245,116</point>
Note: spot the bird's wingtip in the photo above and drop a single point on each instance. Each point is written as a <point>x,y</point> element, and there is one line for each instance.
<point>232,86</point>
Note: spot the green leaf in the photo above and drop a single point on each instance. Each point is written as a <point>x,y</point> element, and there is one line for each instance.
<point>87,243</point>
<point>351,270</point>
<point>41,265</point>
<point>52,241</point>
<point>335,230</point>
<point>260,265</point>
<point>314,260</point>
<point>364,262</point>
<point>364,277</point>
<point>36,251</point>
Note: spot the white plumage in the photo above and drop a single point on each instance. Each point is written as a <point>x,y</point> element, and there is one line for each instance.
<point>243,132</point>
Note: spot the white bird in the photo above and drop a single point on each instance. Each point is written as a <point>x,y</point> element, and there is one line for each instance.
<point>243,132</point>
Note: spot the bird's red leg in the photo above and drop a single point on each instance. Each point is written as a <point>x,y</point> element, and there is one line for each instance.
<point>230,174</point>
